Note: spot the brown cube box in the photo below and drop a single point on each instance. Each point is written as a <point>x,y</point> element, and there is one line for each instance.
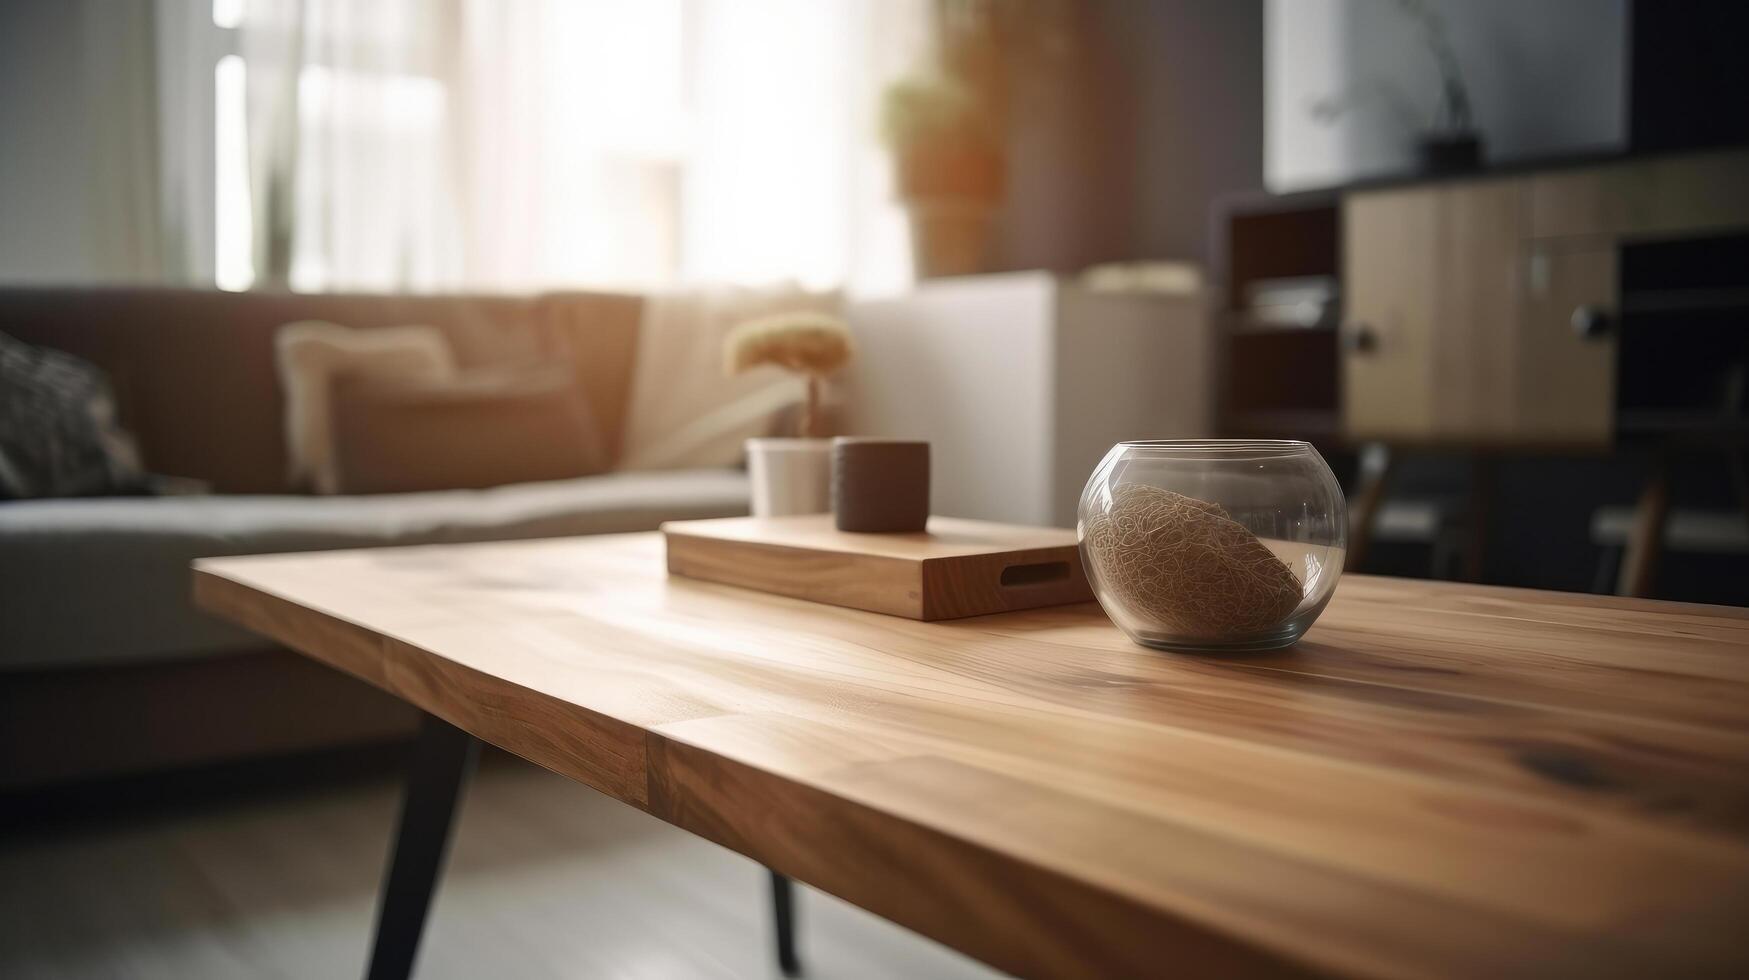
<point>880,485</point>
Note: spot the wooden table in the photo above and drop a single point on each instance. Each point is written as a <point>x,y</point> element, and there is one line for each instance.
<point>1439,780</point>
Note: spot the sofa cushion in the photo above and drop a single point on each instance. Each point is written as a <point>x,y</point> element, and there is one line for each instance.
<point>483,428</point>
<point>107,580</point>
<point>313,356</point>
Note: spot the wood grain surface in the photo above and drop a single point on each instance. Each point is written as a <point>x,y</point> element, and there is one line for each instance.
<point>956,568</point>
<point>1440,780</point>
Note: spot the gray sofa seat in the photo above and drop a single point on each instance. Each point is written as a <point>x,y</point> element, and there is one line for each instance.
<point>96,581</point>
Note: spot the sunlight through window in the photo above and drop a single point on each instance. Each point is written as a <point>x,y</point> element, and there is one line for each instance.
<point>234,231</point>
<point>228,13</point>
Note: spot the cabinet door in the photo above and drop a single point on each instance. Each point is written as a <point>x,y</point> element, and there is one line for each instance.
<point>1431,287</point>
<point>1476,307</point>
<point>1389,268</point>
<point>1568,340</point>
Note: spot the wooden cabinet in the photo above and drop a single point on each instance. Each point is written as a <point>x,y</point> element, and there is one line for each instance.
<point>1681,195</point>
<point>1479,311</point>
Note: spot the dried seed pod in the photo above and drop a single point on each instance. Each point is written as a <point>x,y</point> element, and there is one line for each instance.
<point>1187,566</point>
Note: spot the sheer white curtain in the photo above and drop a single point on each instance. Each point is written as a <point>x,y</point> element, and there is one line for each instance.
<point>522,144</point>
<point>351,181</point>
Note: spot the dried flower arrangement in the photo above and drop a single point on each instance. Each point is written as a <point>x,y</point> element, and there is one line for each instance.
<point>814,345</point>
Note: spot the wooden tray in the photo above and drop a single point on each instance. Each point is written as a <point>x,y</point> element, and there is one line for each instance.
<point>957,568</point>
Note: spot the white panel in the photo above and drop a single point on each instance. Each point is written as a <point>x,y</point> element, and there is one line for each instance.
<point>964,363</point>
<point>1021,384</point>
<point>1129,366</point>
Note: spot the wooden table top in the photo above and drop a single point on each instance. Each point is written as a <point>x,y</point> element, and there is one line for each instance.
<point>1439,780</point>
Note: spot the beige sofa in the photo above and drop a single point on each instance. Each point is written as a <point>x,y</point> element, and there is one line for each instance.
<point>106,668</point>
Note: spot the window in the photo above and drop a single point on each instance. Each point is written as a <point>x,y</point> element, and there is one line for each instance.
<point>234,227</point>
<point>527,144</point>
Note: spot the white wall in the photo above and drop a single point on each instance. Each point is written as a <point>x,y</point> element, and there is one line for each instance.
<point>1187,77</point>
<point>1546,77</point>
<point>43,152</point>
<point>79,141</point>
<point>1125,129</point>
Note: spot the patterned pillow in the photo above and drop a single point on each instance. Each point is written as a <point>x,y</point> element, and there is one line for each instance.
<point>58,435</point>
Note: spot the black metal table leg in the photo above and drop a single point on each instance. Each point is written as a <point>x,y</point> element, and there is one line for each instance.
<point>443,757</point>
<point>784,915</point>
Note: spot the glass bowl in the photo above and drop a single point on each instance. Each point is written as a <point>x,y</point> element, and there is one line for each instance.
<point>1213,544</point>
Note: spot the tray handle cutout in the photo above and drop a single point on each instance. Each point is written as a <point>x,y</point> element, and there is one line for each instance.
<point>1034,573</point>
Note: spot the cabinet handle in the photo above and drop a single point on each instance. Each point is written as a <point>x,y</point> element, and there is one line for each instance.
<point>1359,339</point>
<point>1592,322</point>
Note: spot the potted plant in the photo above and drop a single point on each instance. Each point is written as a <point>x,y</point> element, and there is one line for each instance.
<point>949,169</point>
<point>792,475</point>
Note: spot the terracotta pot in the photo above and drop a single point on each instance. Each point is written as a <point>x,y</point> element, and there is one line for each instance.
<point>951,188</point>
<point>949,237</point>
<point>950,168</point>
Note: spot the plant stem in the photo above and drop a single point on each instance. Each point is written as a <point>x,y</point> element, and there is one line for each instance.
<point>811,410</point>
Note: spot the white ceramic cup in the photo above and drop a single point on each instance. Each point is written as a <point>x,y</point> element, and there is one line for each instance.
<point>790,476</point>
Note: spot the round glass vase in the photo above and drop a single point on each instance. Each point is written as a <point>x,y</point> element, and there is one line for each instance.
<point>1213,544</point>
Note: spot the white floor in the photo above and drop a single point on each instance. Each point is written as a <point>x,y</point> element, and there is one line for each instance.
<point>546,879</point>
